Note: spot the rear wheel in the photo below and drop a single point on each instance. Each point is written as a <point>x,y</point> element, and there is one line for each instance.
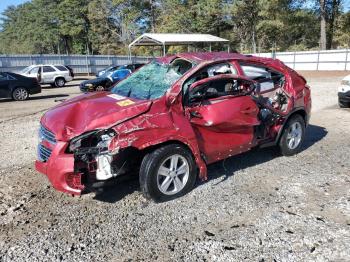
<point>60,82</point>
<point>167,173</point>
<point>343,104</point>
<point>20,94</point>
<point>293,136</point>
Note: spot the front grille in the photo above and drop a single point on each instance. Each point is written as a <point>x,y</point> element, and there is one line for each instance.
<point>44,153</point>
<point>45,134</point>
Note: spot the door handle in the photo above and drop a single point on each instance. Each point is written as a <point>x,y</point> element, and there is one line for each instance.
<point>196,114</point>
<point>248,110</point>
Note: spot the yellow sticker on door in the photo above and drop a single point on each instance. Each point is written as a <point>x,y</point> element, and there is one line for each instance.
<point>126,102</point>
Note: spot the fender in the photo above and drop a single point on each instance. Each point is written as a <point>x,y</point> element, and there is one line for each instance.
<point>149,130</point>
<point>191,144</point>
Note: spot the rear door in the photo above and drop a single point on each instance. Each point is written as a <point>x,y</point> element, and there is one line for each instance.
<point>48,74</point>
<point>223,115</point>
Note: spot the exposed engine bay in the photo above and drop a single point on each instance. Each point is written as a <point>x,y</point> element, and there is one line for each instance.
<point>96,163</point>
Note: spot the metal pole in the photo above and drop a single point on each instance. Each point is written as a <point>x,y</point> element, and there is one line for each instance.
<point>318,59</point>
<point>294,59</point>
<point>346,59</point>
<point>228,48</point>
<point>129,53</point>
<point>87,65</point>
<point>210,47</point>
<point>164,52</point>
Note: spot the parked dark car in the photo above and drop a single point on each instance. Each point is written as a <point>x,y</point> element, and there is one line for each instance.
<point>112,68</point>
<point>18,87</point>
<point>104,82</point>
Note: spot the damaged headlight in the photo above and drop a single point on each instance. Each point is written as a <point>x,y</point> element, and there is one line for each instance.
<point>73,145</point>
<point>94,139</point>
<point>105,141</point>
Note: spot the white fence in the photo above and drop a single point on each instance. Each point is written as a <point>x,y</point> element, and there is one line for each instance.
<point>306,60</point>
<point>314,60</point>
<point>81,64</point>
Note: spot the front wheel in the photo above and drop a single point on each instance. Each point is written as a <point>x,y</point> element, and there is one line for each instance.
<point>293,136</point>
<point>100,88</point>
<point>167,173</point>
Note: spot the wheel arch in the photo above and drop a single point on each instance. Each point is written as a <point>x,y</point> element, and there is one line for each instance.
<point>297,111</point>
<point>165,143</point>
<point>190,145</point>
<point>19,86</point>
<point>60,76</point>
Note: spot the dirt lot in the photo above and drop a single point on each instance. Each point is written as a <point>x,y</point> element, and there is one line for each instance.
<point>258,206</point>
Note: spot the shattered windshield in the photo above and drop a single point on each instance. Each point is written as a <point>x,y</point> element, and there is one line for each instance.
<point>149,82</point>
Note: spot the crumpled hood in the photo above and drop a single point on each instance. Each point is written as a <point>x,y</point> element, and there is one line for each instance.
<point>91,111</point>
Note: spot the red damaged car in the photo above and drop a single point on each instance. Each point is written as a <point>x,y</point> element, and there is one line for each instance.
<point>172,118</point>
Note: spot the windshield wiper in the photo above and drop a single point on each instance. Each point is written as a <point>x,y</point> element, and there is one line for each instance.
<point>149,92</point>
<point>130,91</point>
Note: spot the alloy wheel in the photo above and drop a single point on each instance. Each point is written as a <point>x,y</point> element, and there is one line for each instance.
<point>173,175</point>
<point>100,88</point>
<point>60,82</point>
<point>20,94</point>
<point>294,135</point>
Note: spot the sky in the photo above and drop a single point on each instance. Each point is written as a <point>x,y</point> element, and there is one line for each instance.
<point>5,3</point>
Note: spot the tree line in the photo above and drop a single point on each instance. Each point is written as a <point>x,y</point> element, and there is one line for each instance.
<point>108,26</point>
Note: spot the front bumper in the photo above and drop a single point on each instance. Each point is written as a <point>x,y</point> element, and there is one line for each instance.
<point>59,169</point>
<point>344,97</point>
<point>85,89</point>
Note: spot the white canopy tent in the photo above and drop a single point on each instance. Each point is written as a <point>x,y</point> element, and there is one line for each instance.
<point>176,39</point>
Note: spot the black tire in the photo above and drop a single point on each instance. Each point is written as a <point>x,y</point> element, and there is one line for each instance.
<point>20,94</point>
<point>60,82</point>
<point>343,104</point>
<point>284,145</point>
<point>151,164</point>
<point>100,88</point>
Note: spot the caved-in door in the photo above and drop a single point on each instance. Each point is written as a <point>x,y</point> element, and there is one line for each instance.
<point>223,115</point>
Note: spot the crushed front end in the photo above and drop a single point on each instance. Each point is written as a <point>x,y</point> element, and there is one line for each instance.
<point>56,164</point>
<point>85,163</point>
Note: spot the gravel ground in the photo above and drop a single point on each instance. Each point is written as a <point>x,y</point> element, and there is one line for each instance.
<point>258,206</point>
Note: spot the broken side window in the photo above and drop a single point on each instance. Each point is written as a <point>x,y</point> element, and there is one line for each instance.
<point>269,79</point>
<point>210,71</point>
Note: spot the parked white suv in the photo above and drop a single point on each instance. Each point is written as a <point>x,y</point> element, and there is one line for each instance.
<point>55,75</point>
